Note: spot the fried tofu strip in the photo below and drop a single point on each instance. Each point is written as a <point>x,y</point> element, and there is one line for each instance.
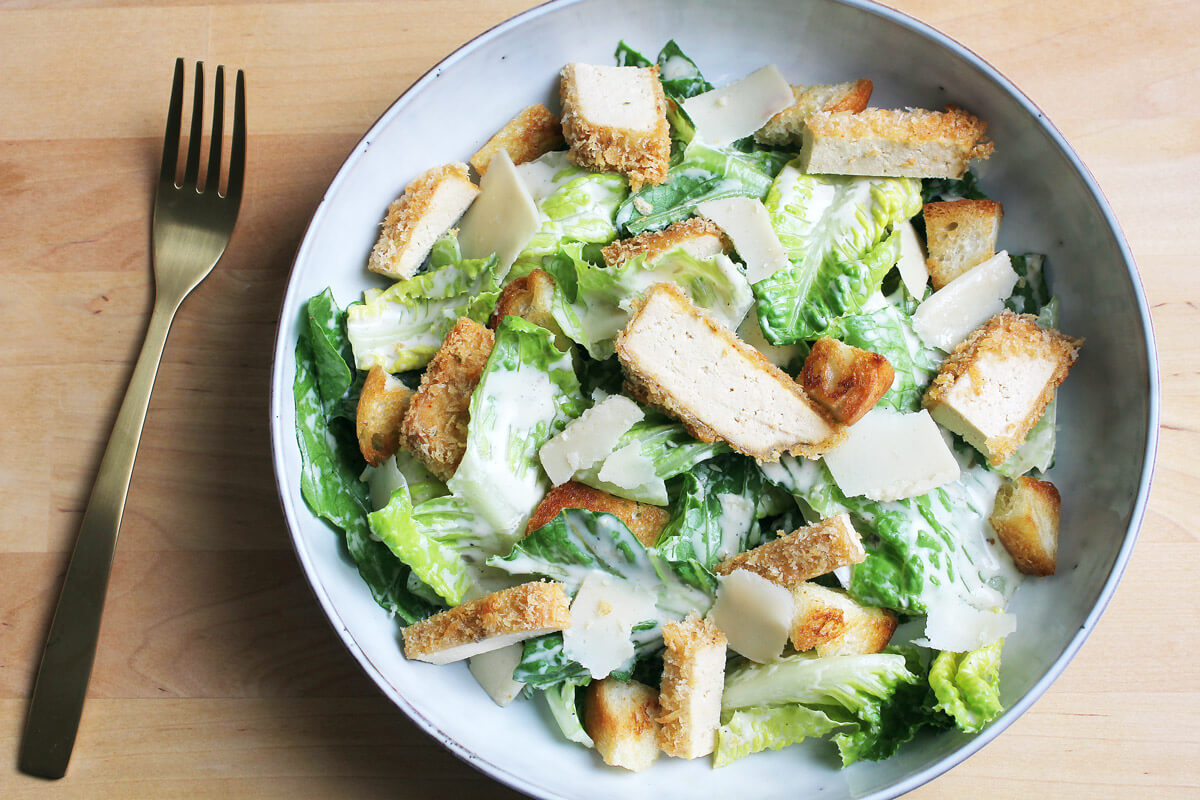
<point>527,136</point>
<point>692,681</point>
<point>645,521</point>
<point>1025,518</point>
<point>381,407</point>
<point>832,623</point>
<point>844,379</point>
<point>621,719</point>
<point>699,238</point>
<point>803,554</point>
<point>429,207</point>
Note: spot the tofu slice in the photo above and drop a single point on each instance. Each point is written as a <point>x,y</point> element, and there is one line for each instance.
<point>645,521</point>
<point>526,137</point>
<point>435,427</point>
<point>803,554</point>
<point>835,625</point>
<point>622,718</point>
<point>679,359</point>
<point>493,621</point>
<point>914,143</point>
<point>693,679</point>
<point>846,380</point>
<point>996,384</point>
<point>787,127</point>
<point>699,238</point>
<point>960,234</point>
<point>381,407</point>
<point>428,208</point>
<point>615,120</point>
<point>1025,518</point>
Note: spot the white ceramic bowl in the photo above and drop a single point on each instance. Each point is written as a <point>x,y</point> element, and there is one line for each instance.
<point>1109,407</point>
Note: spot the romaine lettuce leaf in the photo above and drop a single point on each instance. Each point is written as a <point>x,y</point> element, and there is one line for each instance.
<point>402,469</point>
<point>560,699</point>
<point>435,563</point>
<point>544,663</point>
<point>714,515</point>
<point>964,188</point>
<point>967,686</point>
<point>751,730</point>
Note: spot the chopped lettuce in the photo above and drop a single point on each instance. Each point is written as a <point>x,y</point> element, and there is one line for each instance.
<point>435,563</point>
<point>714,515</point>
<point>751,730</point>
<point>560,699</point>
<point>967,686</point>
<point>544,664</point>
<point>402,469</point>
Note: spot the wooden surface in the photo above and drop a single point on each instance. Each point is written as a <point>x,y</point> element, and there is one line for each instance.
<point>217,674</point>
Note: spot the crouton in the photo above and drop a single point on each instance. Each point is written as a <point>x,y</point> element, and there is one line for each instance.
<point>996,384</point>
<point>832,623</point>
<point>844,379</point>
<point>615,120</point>
<point>489,623</point>
<point>621,719</point>
<point>680,360</point>
<point>787,127</point>
<point>960,234</point>
<point>803,554</point>
<point>531,298</point>
<point>1025,518</point>
<point>381,407</point>
<point>435,427</point>
<point>915,143</point>
<point>698,237</point>
<point>527,136</point>
<point>428,208</point>
<point>692,681</point>
<point>645,521</point>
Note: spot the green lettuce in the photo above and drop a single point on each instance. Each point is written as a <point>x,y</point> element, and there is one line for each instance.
<point>437,564</point>
<point>938,189</point>
<point>715,513</point>
<point>544,664</point>
<point>967,685</point>
<point>560,699</point>
<point>751,730</point>
<point>402,469</point>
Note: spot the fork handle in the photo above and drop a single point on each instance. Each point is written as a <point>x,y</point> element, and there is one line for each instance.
<point>66,666</point>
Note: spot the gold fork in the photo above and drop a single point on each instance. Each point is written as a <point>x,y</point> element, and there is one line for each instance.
<point>191,228</point>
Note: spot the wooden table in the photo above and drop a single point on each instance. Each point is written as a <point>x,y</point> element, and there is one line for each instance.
<point>217,674</point>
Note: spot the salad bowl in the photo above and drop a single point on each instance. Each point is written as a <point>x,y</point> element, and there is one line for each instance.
<point>1107,413</point>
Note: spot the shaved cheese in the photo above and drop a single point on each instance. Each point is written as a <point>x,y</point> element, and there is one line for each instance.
<point>543,176</point>
<point>912,267</point>
<point>952,625</point>
<point>494,672</point>
<point>628,469</point>
<point>603,614</point>
<point>754,614</point>
<point>503,217</point>
<point>746,222</point>
<point>727,114</point>
<point>588,439</point>
<point>890,456</point>
<point>965,303</point>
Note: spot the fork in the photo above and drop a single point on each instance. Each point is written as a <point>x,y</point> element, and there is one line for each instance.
<point>191,228</point>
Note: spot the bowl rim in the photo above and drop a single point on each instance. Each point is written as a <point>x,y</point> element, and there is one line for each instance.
<point>278,394</point>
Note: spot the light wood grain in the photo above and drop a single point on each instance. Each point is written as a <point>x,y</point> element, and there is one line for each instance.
<point>217,674</point>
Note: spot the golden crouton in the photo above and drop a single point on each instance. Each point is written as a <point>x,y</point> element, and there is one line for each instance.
<point>692,681</point>
<point>381,407</point>
<point>429,207</point>
<point>700,238</point>
<point>532,299</point>
<point>787,127</point>
<point>435,427</point>
<point>527,136</point>
<point>1025,518</point>
<point>489,623</point>
<point>803,554</point>
<point>844,379</point>
<point>960,234</point>
<point>645,521</point>
<point>621,719</point>
<point>830,621</point>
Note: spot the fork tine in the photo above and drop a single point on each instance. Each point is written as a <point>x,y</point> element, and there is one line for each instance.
<point>213,181</point>
<point>192,171</point>
<point>237,150</point>
<point>170,157</point>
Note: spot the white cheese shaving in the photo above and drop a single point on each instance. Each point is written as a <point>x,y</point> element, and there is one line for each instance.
<point>965,303</point>
<point>727,114</point>
<point>603,614</point>
<point>628,469</point>
<point>494,672</point>
<point>911,265</point>
<point>503,217</point>
<point>888,455</point>
<point>754,614</point>
<point>588,439</point>
<point>952,625</point>
<point>746,222</point>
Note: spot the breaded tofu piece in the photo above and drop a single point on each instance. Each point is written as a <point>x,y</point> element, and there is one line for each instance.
<point>803,554</point>
<point>489,623</point>
<point>693,678</point>
<point>428,208</point>
<point>698,237</point>
<point>527,136</point>
<point>531,298</point>
<point>914,143</point>
<point>787,127</point>
<point>680,360</point>
<point>622,718</point>
<point>435,427</point>
<point>381,407</point>
<point>615,120</point>
<point>645,521</point>
<point>846,380</point>
<point>1025,518</point>
<point>996,384</point>
<point>959,234</point>
<point>835,625</point>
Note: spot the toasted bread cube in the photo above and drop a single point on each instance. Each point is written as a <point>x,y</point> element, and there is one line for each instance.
<point>996,384</point>
<point>679,359</point>
<point>435,427</point>
<point>531,298</point>
<point>527,136</point>
<point>803,554</point>
<point>493,621</point>
<point>916,143</point>
<point>692,681</point>
<point>787,127</point>
<point>831,622</point>
<point>622,718</point>
<point>1025,518</point>
<point>428,208</point>
<point>615,120</point>
<point>844,379</point>
<point>381,407</point>
<point>960,234</point>
<point>645,521</point>
<point>698,237</point>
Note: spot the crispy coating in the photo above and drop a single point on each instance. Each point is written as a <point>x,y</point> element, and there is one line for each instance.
<point>699,236</point>
<point>844,379</point>
<point>381,407</point>
<point>1025,518</point>
<point>803,554</point>
<point>835,625</point>
<point>527,136</point>
<point>442,194</point>
<point>645,521</point>
<point>959,234</point>
<point>693,679</point>
<point>787,127</point>
<point>621,719</point>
